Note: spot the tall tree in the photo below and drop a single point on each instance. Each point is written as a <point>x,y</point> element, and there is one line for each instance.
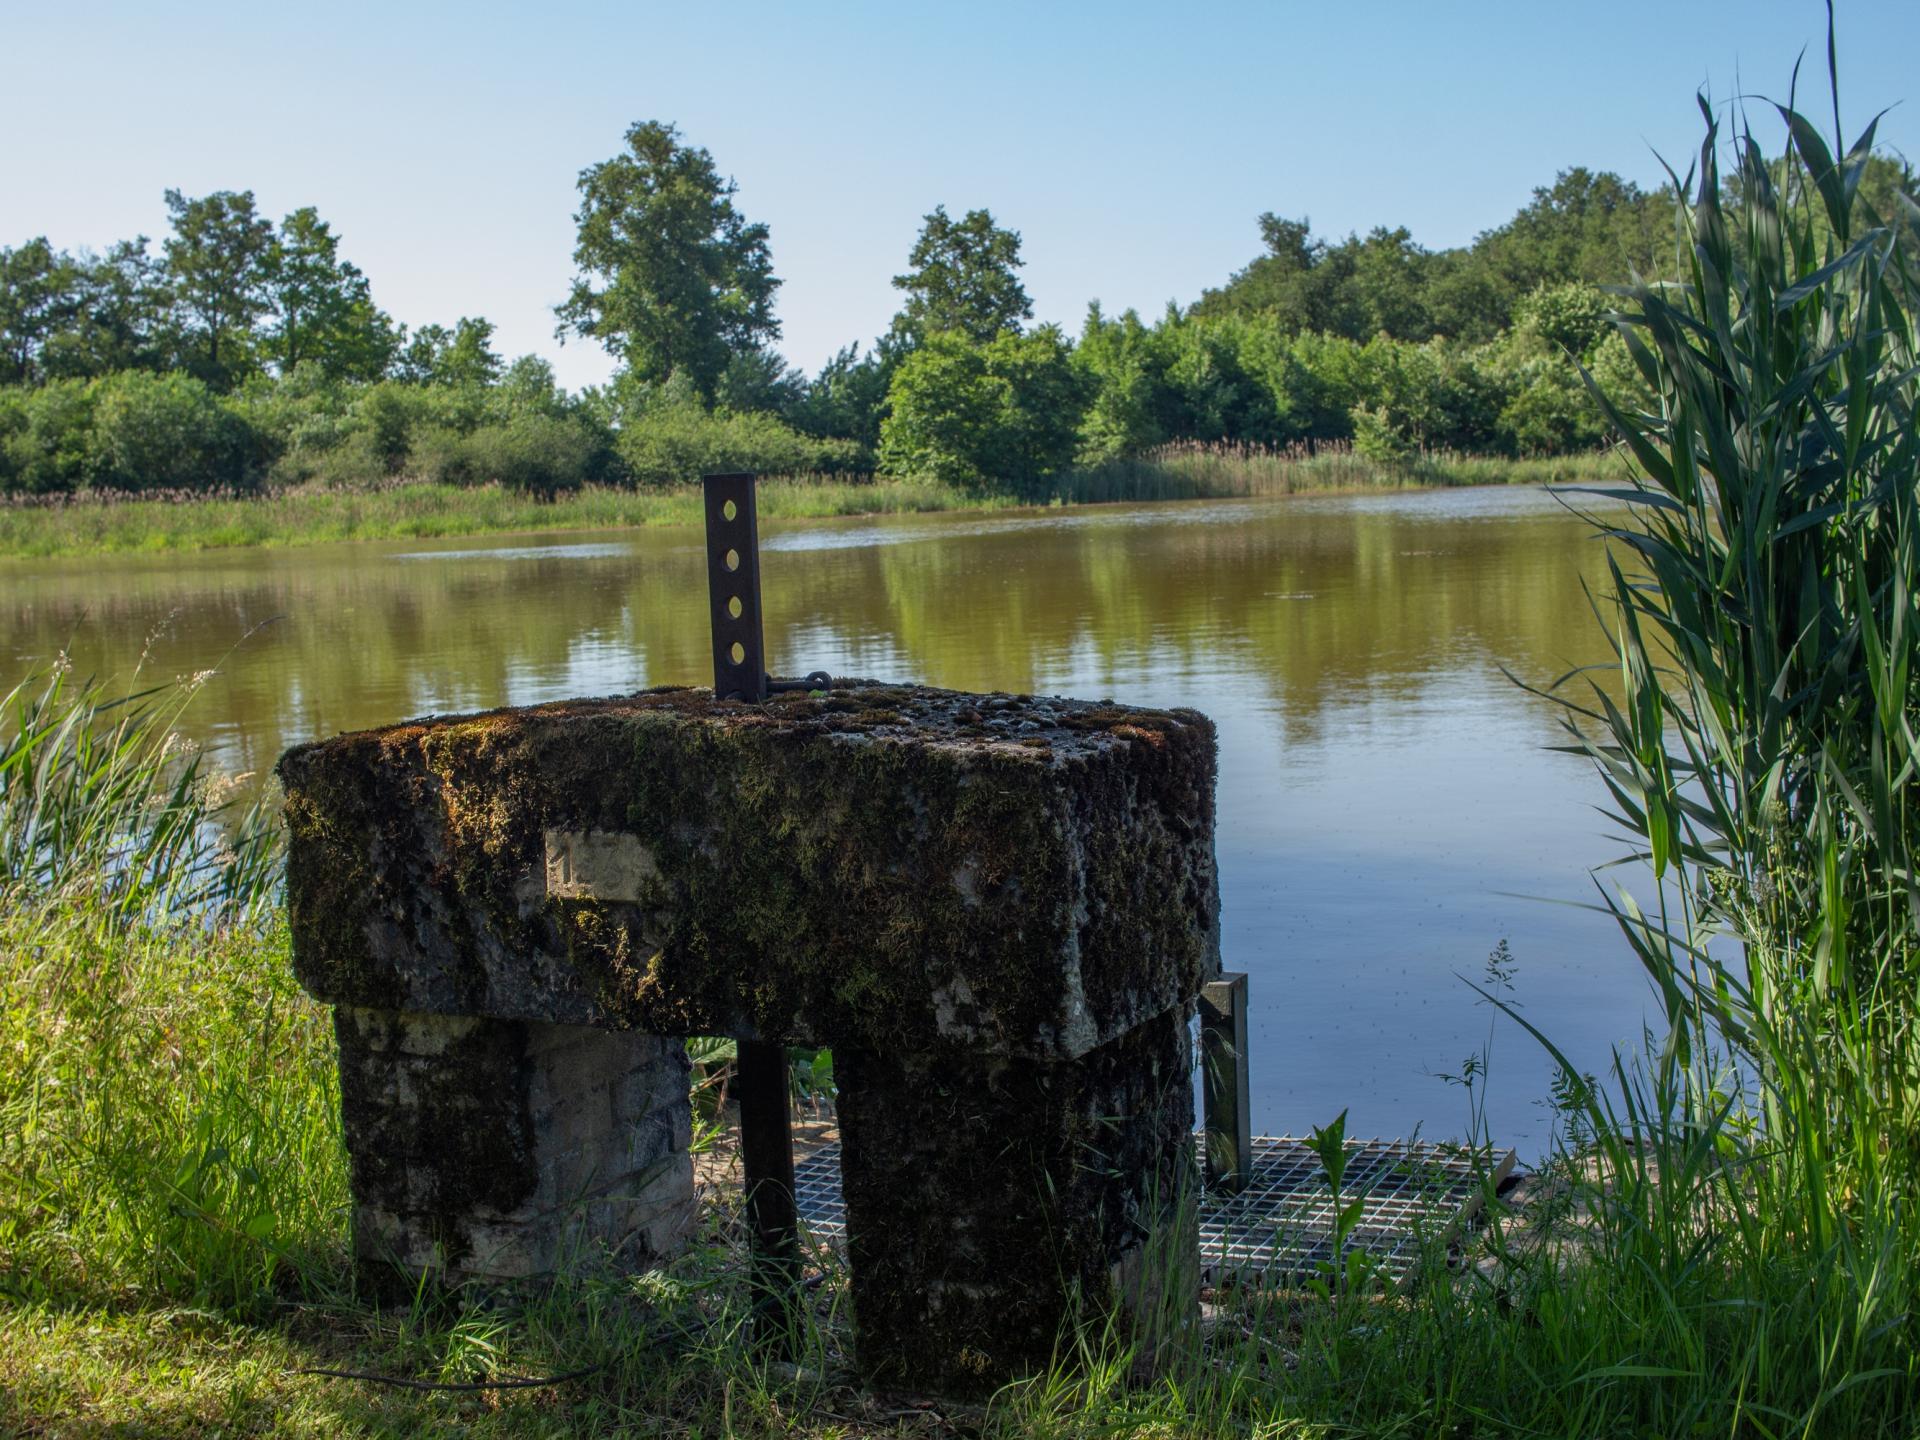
<point>39,298</point>
<point>463,355</point>
<point>673,278</point>
<point>318,306</point>
<point>217,259</point>
<point>962,280</point>
<point>125,315</point>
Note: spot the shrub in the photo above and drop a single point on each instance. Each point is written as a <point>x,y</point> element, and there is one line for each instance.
<point>1551,412</point>
<point>532,452</point>
<point>672,442</point>
<point>46,436</point>
<point>1003,416</point>
<point>167,432</point>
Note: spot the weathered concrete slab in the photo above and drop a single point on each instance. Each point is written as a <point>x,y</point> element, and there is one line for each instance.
<point>897,869</point>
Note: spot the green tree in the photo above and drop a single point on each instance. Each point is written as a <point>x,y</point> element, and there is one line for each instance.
<point>962,280</point>
<point>1003,416</point>
<point>1590,227</point>
<point>318,306</point>
<point>1388,283</point>
<point>1207,392</point>
<point>672,276</point>
<point>46,436</point>
<point>462,356</point>
<point>847,398</point>
<point>1302,283</point>
<point>759,380</point>
<point>1124,381</point>
<point>217,264</point>
<point>40,297</point>
<point>165,432</point>
<point>123,321</point>
<point>1569,319</point>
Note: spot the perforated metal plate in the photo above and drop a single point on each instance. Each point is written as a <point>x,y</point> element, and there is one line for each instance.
<point>1279,1229</point>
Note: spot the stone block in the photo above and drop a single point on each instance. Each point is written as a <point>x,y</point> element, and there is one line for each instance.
<point>497,1150</point>
<point>997,909</point>
<point>893,868</point>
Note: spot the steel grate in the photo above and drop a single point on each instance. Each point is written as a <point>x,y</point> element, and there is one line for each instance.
<point>1279,1229</point>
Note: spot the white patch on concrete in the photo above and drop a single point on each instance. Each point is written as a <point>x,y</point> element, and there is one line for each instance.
<point>598,865</point>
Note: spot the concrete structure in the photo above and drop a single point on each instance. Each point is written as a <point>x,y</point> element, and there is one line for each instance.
<point>997,909</point>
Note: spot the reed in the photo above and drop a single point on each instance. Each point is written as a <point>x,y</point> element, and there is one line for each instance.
<point>104,523</point>
<point>103,802</point>
<point>1193,470</point>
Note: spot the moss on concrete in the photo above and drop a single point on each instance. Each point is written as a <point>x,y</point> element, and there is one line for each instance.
<point>439,1132</point>
<point>894,867</point>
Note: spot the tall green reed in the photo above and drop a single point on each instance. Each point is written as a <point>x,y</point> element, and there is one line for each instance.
<point>1753,1173</point>
<point>1764,746</point>
<point>102,802</point>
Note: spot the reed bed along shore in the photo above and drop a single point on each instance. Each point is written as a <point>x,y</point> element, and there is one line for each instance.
<point>115,524</point>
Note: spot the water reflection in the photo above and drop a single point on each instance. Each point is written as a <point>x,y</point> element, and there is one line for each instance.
<point>1384,789</point>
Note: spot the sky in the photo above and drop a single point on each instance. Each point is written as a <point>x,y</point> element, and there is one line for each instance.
<point>1131,145</point>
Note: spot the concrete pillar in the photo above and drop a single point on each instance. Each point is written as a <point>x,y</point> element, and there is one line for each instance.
<point>988,1198</point>
<point>504,1149</point>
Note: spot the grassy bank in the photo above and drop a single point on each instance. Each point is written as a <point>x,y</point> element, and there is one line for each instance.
<point>174,1257</point>
<point>92,526</point>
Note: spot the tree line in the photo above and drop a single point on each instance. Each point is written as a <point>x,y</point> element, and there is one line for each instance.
<point>246,353</point>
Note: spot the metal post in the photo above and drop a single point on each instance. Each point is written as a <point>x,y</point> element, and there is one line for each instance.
<point>766,1157</point>
<point>1223,1072</point>
<point>762,1084</point>
<point>733,588</point>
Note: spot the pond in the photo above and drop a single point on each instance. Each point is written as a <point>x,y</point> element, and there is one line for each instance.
<point>1390,809</point>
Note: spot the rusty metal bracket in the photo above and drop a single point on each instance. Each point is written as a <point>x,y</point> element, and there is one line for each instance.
<point>733,595</point>
<point>733,588</point>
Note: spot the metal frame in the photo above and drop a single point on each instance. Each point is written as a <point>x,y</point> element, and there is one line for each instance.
<point>1224,1083</point>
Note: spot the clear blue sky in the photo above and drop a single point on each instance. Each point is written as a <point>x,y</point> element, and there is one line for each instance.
<point>1131,145</point>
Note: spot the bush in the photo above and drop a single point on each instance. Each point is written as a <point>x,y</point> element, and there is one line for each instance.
<point>1551,411</point>
<point>167,432</point>
<point>534,453</point>
<point>1004,416</point>
<point>46,436</point>
<point>674,441</point>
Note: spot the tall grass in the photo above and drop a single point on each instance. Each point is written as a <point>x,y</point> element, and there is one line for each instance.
<point>105,524</point>
<point>102,802</point>
<point>1763,1155</point>
<point>1192,470</point>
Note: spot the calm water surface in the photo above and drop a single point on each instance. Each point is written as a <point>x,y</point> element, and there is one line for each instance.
<point>1389,810</point>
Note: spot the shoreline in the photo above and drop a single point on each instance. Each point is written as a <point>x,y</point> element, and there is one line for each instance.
<point>425,511</point>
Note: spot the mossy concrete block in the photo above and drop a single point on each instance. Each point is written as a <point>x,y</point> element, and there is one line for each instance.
<point>990,1201</point>
<point>498,1150</point>
<point>899,869</point>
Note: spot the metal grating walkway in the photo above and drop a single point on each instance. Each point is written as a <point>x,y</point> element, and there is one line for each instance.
<point>1280,1228</point>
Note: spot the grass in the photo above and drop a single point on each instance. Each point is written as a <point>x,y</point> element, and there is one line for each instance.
<point>309,516</point>
<point>173,1253</point>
